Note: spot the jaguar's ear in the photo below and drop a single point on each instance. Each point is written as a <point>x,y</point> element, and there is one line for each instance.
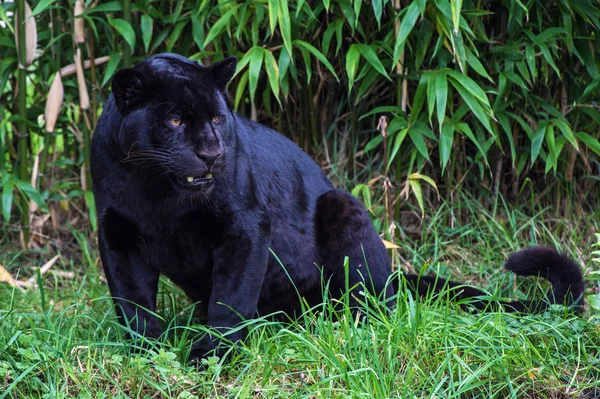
<point>223,71</point>
<point>128,88</point>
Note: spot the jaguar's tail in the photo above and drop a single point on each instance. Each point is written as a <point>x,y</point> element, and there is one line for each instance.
<point>564,274</point>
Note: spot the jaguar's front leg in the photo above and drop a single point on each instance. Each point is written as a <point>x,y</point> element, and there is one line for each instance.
<point>240,264</point>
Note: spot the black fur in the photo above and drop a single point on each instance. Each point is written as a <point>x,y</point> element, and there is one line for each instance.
<point>564,274</point>
<point>169,119</point>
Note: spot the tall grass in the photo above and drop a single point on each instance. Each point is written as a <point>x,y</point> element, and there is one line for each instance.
<point>493,97</point>
<point>62,339</point>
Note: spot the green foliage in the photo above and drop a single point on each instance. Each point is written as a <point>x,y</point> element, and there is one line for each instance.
<point>61,339</point>
<point>484,95</point>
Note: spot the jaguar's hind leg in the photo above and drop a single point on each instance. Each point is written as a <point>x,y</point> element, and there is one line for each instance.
<point>344,229</point>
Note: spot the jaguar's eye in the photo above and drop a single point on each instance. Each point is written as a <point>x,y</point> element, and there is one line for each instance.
<point>175,121</point>
<point>216,119</point>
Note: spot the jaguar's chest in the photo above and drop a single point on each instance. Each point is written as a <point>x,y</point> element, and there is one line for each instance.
<point>179,251</point>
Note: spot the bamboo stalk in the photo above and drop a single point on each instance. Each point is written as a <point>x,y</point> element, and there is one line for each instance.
<point>84,98</point>
<point>56,55</point>
<point>84,103</point>
<point>79,23</point>
<point>29,33</point>
<point>54,103</point>
<point>21,125</point>
<point>72,68</point>
<point>93,81</point>
<point>401,99</point>
<point>572,151</point>
<point>126,49</point>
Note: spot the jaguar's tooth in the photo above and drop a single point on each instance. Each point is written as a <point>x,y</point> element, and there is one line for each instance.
<point>208,176</point>
<point>190,178</point>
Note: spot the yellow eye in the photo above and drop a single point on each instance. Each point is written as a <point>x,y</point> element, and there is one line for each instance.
<point>175,121</point>
<point>216,118</point>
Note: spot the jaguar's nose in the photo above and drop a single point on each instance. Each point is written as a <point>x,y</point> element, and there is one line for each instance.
<point>209,159</point>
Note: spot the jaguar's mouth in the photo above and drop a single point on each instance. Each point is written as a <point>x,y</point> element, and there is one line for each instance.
<point>192,182</point>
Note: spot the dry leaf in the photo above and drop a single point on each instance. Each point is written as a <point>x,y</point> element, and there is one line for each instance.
<point>79,22</point>
<point>84,98</point>
<point>54,102</point>
<point>5,277</point>
<point>31,282</point>
<point>389,245</point>
<point>30,34</point>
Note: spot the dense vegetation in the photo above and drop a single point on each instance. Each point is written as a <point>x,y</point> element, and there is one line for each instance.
<point>468,128</point>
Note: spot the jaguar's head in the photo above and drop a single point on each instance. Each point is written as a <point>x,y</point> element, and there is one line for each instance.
<point>177,120</point>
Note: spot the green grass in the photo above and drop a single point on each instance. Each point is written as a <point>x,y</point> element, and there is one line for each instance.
<point>61,339</point>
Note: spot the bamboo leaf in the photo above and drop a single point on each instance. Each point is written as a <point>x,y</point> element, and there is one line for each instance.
<point>352,59</point>
<point>552,160</point>
<point>218,26</point>
<point>175,35</point>
<point>272,73</point>
<point>459,49</point>
<point>419,141</point>
<point>538,139</point>
<point>125,29</point>
<point>550,34</point>
<point>415,186</point>
<point>240,89</point>
<point>430,95</point>
<point>373,143</point>
<point>456,6</point>
<point>530,58</point>
<point>32,194</point>
<point>566,131</point>
<point>111,67</point>
<point>503,120</point>
<point>378,10</point>
<point>407,25</point>
<point>42,6</point>
<point>441,95</point>
<point>91,206</point>
<point>273,6</point>
<point>313,50</point>
<point>348,11</point>
<point>474,105</point>
<point>7,198</point>
<point>477,66</point>
<point>427,179</point>
<point>471,86</point>
<point>446,140</point>
<point>419,99</point>
<point>591,142</point>
<point>398,140</point>
<point>285,25</point>
<point>198,32</point>
<point>256,60</point>
<point>466,130</point>
<point>548,57</point>
<point>369,54</point>
<point>307,63</point>
<point>366,192</point>
<point>146,25</point>
<point>111,6</point>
